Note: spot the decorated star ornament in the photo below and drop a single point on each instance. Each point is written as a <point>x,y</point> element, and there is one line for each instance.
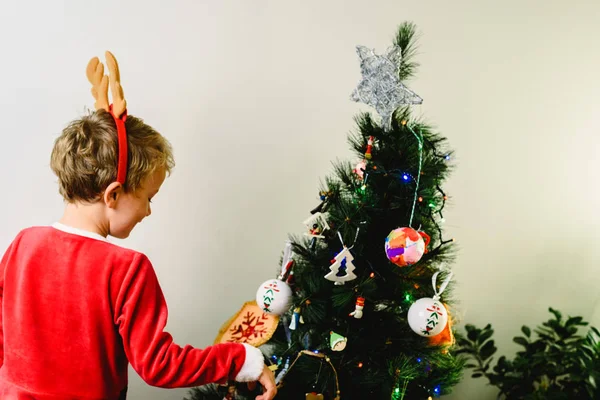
<point>380,86</point>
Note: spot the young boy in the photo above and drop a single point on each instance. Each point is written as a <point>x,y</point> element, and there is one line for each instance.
<point>75,309</point>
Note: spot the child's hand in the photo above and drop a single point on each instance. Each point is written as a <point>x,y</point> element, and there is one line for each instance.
<point>267,381</point>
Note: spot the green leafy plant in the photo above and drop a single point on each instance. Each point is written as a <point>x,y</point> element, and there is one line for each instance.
<point>559,363</point>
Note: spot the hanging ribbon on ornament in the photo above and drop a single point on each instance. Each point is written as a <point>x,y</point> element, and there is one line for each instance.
<point>419,138</point>
<point>355,238</point>
<point>438,293</point>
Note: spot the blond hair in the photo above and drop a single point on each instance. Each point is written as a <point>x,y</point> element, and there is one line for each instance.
<point>84,157</point>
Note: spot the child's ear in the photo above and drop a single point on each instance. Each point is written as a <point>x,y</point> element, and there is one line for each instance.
<point>112,193</point>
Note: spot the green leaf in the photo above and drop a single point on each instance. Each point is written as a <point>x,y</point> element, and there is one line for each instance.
<point>485,335</point>
<point>556,313</point>
<point>526,331</point>
<point>472,332</point>
<point>521,340</point>
<point>487,350</point>
<point>574,321</point>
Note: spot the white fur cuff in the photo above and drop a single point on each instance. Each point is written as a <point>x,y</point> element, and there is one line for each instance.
<point>253,365</point>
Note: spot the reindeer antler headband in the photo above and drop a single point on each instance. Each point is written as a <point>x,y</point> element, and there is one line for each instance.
<point>118,110</point>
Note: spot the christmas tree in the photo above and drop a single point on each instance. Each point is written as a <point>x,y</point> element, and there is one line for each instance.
<point>358,302</point>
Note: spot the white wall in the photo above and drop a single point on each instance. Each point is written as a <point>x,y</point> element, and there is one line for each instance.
<point>255,99</point>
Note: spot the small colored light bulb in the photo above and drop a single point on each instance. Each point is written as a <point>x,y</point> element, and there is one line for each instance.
<point>405,177</point>
<point>360,365</point>
<point>372,275</point>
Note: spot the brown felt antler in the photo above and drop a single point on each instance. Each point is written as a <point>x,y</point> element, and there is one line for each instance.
<point>99,81</point>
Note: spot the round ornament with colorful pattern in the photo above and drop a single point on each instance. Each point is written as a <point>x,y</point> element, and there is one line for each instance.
<point>406,246</point>
<point>274,296</point>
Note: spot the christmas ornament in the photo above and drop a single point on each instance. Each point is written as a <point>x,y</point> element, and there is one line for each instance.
<point>360,169</point>
<point>368,154</point>
<point>316,224</point>
<point>358,311</point>
<point>314,396</point>
<point>337,341</point>
<point>274,296</point>
<point>249,325</point>
<point>428,316</point>
<point>405,246</point>
<point>342,268</point>
<point>380,86</point>
<point>296,319</point>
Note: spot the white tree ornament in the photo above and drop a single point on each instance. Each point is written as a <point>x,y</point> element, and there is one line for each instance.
<point>342,268</point>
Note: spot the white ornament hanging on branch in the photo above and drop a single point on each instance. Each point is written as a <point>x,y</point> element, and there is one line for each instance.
<point>342,268</point>
<point>428,316</point>
<point>274,296</point>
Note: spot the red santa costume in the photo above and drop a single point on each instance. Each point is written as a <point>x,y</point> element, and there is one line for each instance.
<point>77,309</point>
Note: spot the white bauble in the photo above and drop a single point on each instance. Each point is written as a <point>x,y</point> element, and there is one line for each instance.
<point>427,317</point>
<point>274,296</point>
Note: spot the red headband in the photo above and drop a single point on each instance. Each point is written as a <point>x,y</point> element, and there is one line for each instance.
<point>118,110</point>
<point>122,140</point>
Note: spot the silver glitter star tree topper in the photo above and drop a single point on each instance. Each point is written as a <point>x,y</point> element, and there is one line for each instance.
<point>380,86</point>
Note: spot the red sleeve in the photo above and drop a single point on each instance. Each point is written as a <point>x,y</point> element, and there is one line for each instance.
<point>3,264</point>
<point>2,268</point>
<point>2,273</point>
<point>141,316</point>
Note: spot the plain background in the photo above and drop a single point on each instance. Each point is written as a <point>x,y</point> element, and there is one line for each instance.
<point>254,96</point>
